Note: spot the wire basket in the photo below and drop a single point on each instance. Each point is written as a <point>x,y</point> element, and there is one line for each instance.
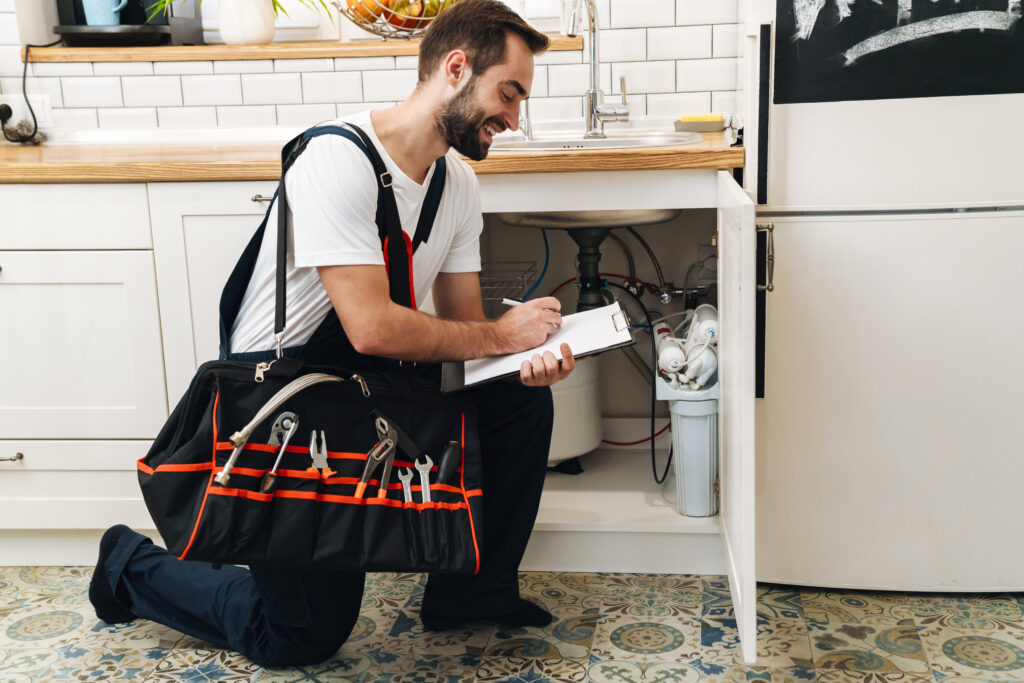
<point>506,279</point>
<point>376,16</point>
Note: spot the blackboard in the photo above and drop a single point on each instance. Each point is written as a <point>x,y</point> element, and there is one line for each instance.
<point>821,56</point>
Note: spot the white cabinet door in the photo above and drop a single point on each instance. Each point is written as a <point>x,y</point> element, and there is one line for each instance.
<point>81,354</point>
<point>736,287</point>
<point>889,448</point>
<point>199,231</point>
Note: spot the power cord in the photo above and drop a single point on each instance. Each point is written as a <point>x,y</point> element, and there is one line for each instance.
<point>30,137</point>
<point>654,400</point>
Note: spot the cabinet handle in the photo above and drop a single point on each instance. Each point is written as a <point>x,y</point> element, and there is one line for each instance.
<point>769,260</point>
<point>15,458</point>
<point>260,198</point>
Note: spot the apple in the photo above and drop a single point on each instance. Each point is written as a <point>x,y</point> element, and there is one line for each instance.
<point>368,10</point>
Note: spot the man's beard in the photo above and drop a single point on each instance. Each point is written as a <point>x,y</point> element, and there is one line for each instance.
<point>460,122</point>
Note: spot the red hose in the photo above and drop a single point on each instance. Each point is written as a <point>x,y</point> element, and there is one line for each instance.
<point>633,443</point>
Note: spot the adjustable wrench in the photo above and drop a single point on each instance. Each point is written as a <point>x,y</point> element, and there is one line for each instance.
<point>382,452</point>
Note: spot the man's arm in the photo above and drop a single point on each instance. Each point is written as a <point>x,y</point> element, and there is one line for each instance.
<point>377,326</point>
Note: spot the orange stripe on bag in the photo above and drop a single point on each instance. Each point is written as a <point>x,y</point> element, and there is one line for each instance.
<point>466,494</point>
<point>189,467</point>
<point>209,485</point>
<point>332,498</point>
<point>266,448</point>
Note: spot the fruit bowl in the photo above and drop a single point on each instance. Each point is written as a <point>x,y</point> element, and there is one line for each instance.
<point>403,19</point>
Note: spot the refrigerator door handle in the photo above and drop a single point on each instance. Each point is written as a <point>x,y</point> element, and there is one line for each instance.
<point>769,260</point>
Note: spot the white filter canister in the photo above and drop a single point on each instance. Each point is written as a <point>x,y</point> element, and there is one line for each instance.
<point>695,452</point>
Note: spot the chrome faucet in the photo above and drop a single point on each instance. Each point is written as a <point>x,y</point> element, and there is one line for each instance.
<point>525,122</point>
<point>598,112</point>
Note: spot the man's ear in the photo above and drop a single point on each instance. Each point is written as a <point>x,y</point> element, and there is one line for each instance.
<point>456,68</point>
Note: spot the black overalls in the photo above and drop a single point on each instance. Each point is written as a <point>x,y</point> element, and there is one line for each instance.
<point>281,617</point>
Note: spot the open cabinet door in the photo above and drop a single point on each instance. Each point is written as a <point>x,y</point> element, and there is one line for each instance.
<point>737,285</point>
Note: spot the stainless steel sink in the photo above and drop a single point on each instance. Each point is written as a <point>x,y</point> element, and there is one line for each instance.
<point>574,220</point>
<point>618,141</point>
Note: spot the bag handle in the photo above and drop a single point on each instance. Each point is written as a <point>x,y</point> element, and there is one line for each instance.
<point>239,438</point>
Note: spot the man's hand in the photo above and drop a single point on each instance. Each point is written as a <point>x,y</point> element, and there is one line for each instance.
<point>530,324</point>
<point>543,371</point>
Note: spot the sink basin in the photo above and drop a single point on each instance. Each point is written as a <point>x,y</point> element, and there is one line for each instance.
<point>573,220</point>
<point>617,141</point>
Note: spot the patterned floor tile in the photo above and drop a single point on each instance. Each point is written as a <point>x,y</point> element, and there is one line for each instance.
<point>853,607</point>
<point>342,667</point>
<point>140,634</point>
<point>648,640</point>
<point>562,589</point>
<point>644,595</point>
<point>509,669</point>
<point>17,664</point>
<point>716,673</point>
<point>842,676</point>
<point>966,611</point>
<point>389,590</point>
<point>996,654</point>
<point>422,669</point>
<point>570,635</point>
<point>781,643</point>
<point>117,664</point>
<point>204,665</point>
<point>887,648</point>
<point>621,671</point>
<point>45,626</point>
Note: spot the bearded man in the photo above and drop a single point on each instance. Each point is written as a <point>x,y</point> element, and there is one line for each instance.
<point>475,68</point>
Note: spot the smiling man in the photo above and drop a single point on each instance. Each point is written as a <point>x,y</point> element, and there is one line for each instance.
<point>475,67</point>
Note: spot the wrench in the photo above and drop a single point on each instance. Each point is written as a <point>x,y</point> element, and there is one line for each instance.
<point>405,476</point>
<point>424,471</point>
<point>289,422</point>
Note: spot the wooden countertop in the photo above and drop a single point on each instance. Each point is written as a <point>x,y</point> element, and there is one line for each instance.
<point>205,53</point>
<point>151,162</point>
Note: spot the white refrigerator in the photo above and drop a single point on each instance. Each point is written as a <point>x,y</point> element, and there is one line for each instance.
<point>886,150</point>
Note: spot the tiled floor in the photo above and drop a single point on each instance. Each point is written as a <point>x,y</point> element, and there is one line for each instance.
<point>608,628</point>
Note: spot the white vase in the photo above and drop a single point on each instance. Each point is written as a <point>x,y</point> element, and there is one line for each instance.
<point>246,22</point>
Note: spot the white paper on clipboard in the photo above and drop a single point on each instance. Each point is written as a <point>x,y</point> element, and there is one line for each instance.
<point>586,333</point>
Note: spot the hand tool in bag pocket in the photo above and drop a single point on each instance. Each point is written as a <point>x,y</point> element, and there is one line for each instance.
<point>405,476</point>
<point>318,452</point>
<point>424,470</point>
<point>281,433</point>
<point>382,452</point>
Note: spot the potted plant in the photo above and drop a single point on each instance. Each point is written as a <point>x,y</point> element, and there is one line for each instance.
<point>245,22</point>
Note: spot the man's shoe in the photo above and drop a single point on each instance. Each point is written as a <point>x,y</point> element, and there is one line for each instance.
<point>100,594</point>
<point>526,613</point>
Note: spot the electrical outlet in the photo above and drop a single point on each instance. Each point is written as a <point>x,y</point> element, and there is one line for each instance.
<point>40,104</point>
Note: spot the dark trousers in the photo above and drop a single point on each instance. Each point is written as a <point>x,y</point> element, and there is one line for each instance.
<point>282,617</point>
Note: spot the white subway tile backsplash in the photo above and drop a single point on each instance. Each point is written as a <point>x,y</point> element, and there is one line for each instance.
<point>272,89</point>
<point>56,68</point>
<point>7,6</point>
<point>123,68</point>
<point>630,13</point>
<point>356,107</point>
<point>645,77</point>
<point>91,91</point>
<point>556,108</point>
<point>180,68</point>
<point>187,117</point>
<point>568,79</point>
<point>363,63</point>
<point>10,61</point>
<point>540,82</point>
<point>383,86</point>
<point>207,90</point>
<point>679,104</point>
<point>681,42</point>
<point>8,29</point>
<point>725,41</point>
<point>690,12</point>
<point>244,66</point>
<point>151,91</point>
<point>303,65</point>
<point>46,86</point>
<point>247,117</point>
<point>305,115</point>
<point>337,86</point>
<point>76,119</point>
<point>705,74</point>
<point>127,118</point>
<point>723,102</point>
<point>560,57</point>
<point>623,45</point>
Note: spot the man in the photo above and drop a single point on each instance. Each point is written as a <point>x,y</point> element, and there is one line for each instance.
<point>475,67</point>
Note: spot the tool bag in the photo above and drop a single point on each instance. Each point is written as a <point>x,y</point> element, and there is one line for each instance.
<point>210,481</point>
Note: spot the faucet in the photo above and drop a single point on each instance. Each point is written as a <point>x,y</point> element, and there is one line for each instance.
<point>525,122</point>
<point>598,112</point>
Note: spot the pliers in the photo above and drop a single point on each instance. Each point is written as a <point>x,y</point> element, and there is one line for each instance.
<point>382,452</point>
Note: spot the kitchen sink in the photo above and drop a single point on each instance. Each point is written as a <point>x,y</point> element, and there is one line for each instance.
<point>617,141</point>
<point>574,220</point>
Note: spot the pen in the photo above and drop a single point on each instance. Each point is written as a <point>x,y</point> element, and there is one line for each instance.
<point>511,302</point>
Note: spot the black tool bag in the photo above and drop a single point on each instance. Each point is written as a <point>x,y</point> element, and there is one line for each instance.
<point>209,479</point>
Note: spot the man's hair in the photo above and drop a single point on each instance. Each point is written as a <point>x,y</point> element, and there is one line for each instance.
<point>479,27</point>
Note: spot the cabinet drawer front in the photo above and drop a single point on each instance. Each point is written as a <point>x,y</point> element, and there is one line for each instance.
<point>71,485</point>
<point>66,216</point>
<point>82,343</point>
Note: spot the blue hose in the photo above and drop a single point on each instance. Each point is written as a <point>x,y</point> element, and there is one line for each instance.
<point>544,270</point>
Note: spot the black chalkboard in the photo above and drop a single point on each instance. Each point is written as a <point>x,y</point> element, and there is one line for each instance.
<point>932,62</point>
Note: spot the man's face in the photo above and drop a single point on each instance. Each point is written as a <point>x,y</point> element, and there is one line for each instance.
<point>489,102</point>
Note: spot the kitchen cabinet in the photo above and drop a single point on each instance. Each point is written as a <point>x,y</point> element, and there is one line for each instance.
<point>887,451</point>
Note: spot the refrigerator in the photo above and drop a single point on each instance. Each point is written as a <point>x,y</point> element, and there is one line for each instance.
<point>885,152</point>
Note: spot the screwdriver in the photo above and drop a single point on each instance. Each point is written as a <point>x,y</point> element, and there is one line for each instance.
<point>450,457</point>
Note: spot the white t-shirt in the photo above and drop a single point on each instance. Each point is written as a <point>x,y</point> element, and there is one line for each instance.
<point>332,197</point>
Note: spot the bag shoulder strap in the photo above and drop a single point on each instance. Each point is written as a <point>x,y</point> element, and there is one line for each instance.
<point>397,251</point>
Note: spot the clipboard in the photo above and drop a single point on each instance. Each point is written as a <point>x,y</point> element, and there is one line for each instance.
<point>586,333</point>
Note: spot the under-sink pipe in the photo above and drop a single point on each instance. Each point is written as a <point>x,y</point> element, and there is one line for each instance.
<point>654,259</point>
<point>625,252</point>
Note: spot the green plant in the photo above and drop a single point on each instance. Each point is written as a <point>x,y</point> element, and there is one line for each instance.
<point>164,5</point>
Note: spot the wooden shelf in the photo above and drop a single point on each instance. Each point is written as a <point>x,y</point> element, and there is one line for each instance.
<point>204,53</point>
